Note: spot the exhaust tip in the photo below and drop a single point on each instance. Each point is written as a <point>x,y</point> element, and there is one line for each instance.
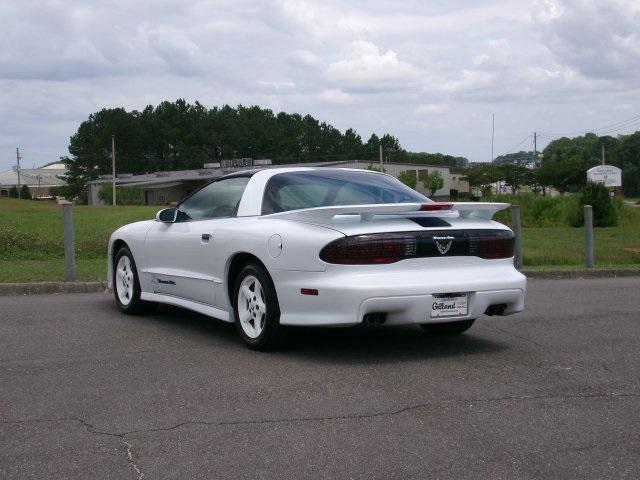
<point>497,310</point>
<point>376,318</point>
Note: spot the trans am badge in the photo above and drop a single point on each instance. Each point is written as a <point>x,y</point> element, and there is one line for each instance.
<point>443,244</point>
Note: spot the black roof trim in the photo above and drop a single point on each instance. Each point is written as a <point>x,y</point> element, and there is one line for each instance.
<point>243,173</point>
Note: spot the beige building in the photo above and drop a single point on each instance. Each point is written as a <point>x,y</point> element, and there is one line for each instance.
<point>38,180</point>
<point>162,188</point>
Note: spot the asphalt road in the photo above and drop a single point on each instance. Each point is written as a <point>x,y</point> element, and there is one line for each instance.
<point>86,392</point>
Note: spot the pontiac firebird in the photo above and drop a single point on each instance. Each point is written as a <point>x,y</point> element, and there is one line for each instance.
<point>270,248</point>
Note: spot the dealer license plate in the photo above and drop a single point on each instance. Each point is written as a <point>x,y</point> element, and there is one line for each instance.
<point>449,305</point>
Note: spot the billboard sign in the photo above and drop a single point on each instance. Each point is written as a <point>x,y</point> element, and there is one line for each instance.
<point>608,175</point>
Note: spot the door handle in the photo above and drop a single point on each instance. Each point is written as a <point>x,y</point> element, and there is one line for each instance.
<point>206,237</point>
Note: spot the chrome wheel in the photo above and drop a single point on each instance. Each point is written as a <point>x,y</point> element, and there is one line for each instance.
<point>124,280</point>
<point>251,305</point>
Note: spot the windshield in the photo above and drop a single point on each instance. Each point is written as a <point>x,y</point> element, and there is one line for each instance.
<point>308,189</point>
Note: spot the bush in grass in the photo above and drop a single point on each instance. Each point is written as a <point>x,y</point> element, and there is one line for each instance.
<point>124,195</point>
<point>536,211</point>
<point>25,193</point>
<point>605,213</point>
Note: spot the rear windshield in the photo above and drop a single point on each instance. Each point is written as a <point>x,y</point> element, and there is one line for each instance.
<point>308,189</point>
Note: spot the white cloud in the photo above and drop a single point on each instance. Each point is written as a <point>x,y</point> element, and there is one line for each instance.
<point>431,73</point>
<point>600,39</point>
<point>336,96</point>
<point>366,67</point>
<point>432,109</point>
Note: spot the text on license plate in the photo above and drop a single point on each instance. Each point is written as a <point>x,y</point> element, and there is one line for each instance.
<point>449,305</point>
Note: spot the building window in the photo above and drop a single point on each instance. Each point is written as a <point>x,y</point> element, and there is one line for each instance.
<point>4,193</point>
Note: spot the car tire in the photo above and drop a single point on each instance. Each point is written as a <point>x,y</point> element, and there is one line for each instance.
<point>126,284</point>
<point>448,328</point>
<point>256,309</point>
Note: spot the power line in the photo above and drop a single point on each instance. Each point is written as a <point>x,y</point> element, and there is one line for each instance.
<point>618,128</point>
<point>619,125</point>
<point>512,149</point>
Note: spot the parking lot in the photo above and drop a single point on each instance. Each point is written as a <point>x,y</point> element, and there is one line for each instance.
<point>86,392</point>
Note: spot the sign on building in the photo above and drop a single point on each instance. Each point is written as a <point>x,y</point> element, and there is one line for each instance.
<point>237,163</point>
<point>609,175</point>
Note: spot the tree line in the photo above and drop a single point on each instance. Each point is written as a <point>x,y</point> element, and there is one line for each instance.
<point>562,165</point>
<point>179,136</point>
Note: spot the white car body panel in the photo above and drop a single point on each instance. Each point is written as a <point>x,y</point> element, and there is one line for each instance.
<point>176,266</point>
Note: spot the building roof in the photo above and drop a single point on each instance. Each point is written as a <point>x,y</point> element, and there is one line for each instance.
<point>171,176</point>
<point>33,177</point>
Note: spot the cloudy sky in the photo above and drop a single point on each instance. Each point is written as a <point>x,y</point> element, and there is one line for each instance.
<point>430,72</point>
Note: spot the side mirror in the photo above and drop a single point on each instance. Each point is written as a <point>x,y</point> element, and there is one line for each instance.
<point>167,215</point>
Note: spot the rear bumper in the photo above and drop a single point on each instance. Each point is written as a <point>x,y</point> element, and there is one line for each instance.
<point>403,291</point>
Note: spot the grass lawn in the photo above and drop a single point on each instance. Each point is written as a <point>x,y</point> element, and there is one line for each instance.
<point>31,247</point>
<point>564,246</point>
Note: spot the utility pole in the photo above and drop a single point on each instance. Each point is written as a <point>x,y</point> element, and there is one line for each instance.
<point>535,149</point>
<point>381,167</point>
<point>113,167</point>
<point>603,153</point>
<point>493,131</point>
<point>18,172</point>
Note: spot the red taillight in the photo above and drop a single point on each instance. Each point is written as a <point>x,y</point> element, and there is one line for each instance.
<point>370,249</point>
<point>435,207</point>
<point>491,245</point>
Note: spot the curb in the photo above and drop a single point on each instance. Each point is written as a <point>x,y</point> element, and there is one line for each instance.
<point>37,288</point>
<point>582,273</point>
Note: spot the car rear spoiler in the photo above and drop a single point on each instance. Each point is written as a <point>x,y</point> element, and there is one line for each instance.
<point>325,215</point>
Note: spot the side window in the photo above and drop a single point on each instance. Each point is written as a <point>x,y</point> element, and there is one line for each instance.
<point>216,200</point>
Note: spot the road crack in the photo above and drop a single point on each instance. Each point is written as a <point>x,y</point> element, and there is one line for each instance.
<point>131,460</point>
<point>356,416</point>
<point>93,430</point>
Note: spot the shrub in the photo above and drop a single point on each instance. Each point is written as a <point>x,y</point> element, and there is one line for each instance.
<point>536,211</point>
<point>408,177</point>
<point>25,193</point>
<point>124,195</point>
<point>605,213</point>
<point>453,194</point>
<point>433,182</point>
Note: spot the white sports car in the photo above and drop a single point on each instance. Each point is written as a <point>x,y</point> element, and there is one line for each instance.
<point>318,246</point>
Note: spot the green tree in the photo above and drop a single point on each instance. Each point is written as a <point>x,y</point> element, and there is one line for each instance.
<point>408,177</point>
<point>482,176</point>
<point>433,182</point>
<point>514,175</point>
<point>565,161</point>
<point>424,158</point>
<point>604,211</point>
<point>13,192</point>
<point>25,193</point>
<point>179,135</point>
